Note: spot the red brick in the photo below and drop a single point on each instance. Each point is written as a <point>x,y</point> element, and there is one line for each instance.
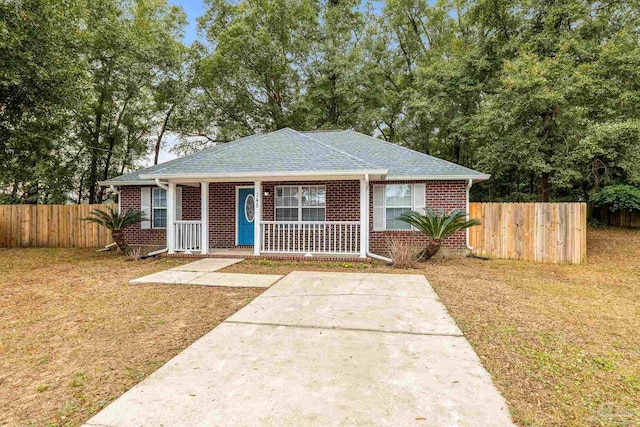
<point>342,204</point>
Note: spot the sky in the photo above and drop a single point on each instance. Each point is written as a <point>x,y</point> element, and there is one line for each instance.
<point>194,9</point>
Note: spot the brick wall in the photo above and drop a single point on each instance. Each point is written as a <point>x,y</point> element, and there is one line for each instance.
<point>222,213</point>
<point>135,235</point>
<point>445,195</point>
<point>190,203</point>
<point>342,200</point>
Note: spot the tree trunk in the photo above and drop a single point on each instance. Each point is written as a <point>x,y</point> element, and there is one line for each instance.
<point>118,237</point>
<point>433,247</point>
<point>545,188</point>
<point>162,130</point>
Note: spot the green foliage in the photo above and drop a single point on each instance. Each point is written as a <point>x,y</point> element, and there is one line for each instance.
<point>438,225</point>
<point>38,71</point>
<point>81,87</point>
<point>618,197</point>
<point>543,95</point>
<point>113,220</point>
<point>116,223</point>
<point>253,79</point>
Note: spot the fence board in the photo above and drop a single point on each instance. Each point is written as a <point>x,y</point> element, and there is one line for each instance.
<point>619,218</point>
<point>51,226</point>
<point>541,232</point>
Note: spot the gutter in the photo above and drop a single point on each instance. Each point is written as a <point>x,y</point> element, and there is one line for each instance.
<point>476,177</point>
<point>123,183</point>
<point>468,217</point>
<point>264,174</point>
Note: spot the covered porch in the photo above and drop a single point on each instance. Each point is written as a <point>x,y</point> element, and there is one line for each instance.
<point>323,219</point>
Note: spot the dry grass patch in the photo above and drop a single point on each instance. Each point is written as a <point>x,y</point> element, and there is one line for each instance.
<point>74,335</point>
<point>562,342</point>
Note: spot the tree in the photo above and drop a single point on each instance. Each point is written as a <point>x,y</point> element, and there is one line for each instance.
<point>38,70</point>
<point>130,48</point>
<point>252,80</point>
<point>552,90</point>
<point>333,98</point>
<point>116,223</point>
<point>437,226</point>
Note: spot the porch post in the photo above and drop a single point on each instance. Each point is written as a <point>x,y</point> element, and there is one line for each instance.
<point>257,195</point>
<point>171,216</point>
<point>204,217</point>
<point>364,223</point>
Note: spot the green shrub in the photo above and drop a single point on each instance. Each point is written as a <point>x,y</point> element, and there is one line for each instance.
<point>618,197</point>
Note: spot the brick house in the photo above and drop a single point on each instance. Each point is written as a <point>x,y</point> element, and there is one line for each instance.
<point>290,193</point>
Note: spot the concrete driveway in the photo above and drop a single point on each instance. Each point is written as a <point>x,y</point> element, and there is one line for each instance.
<point>323,349</point>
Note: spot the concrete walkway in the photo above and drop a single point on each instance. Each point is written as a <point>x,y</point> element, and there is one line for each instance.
<point>203,272</point>
<point>323,349</point>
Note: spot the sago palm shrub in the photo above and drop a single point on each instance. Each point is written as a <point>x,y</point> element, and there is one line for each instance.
<point>437,226</point>
<point>116,223</point>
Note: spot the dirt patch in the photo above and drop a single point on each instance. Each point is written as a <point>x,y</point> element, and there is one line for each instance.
<point>561,341</point>
<point>74,335</point>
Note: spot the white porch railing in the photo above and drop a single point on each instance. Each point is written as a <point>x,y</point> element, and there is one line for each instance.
<point>335,237</point>
<point>188,235</point>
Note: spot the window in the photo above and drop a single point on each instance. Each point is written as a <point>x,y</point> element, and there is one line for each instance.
<point>300,203</point>
<point>159,214</point>
<point>390,201</point>
<point>397,200</point>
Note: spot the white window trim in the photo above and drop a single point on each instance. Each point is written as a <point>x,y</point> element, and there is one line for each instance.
<point>153,208</point>
<point>379,201</point>
<point>410,207</point>
<point>299,206</point>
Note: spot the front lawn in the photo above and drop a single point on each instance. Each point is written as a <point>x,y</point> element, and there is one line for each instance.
<point>562,342</point>
<point>74,336</point>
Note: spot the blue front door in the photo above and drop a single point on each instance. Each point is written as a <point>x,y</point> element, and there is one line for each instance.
<point>245,214</point>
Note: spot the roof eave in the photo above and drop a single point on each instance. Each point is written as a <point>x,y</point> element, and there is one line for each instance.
<point>117,183</point>
<point>266,175</point>
<point>476,177</point>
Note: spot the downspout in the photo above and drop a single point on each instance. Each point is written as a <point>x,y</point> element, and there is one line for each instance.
<point>161,185</point>
<point>369,254</point>
<point>114,190</point>
<point>154,253</point>
<point>468,217</point>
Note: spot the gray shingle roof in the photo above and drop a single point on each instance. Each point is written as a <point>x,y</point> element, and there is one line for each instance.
<point>400,161</point>
<point>287,151</point>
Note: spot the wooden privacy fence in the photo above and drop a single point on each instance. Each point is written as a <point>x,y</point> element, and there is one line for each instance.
<point>619,218</point>
<point>51,226</point>
<point>541,232</point>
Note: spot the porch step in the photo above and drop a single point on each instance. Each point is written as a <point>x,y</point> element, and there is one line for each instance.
<point>274,257</point>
